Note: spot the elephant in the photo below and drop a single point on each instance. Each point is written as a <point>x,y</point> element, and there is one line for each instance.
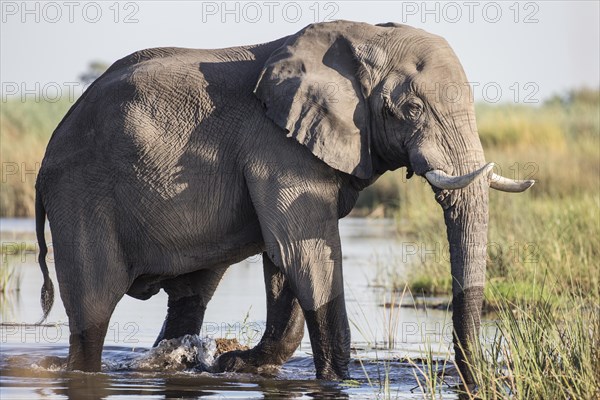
<point>177,163</point>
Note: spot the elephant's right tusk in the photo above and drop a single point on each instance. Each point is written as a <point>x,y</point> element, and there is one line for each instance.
<point>503,184</point>
<point>442,180</point>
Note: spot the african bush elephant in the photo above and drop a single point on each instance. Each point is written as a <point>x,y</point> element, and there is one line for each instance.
<point>177,163</point>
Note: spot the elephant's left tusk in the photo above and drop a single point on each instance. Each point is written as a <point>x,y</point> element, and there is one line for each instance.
<point>503,184</point>
<point>442,180</point>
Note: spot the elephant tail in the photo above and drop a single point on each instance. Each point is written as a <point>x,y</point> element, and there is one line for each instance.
<point>47,296</point>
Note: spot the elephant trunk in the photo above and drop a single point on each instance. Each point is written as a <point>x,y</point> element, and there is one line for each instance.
<point>466,218</point>
<point>458,164</point>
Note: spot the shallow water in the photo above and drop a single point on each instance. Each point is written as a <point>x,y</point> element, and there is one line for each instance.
<point>31,356</point>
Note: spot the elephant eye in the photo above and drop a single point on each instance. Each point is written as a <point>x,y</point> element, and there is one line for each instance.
<point>412,110</point>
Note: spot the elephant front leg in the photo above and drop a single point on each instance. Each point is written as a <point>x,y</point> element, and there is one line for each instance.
<point>330,339</point>
<point>189,295</point>
<point>298,213</point>
<point>314,269</point>
<point>283,332</point>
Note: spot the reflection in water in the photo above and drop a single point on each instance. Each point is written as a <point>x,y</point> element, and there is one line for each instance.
<point>32,357</point>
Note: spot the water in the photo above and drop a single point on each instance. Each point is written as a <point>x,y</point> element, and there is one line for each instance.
<point>32,357</point>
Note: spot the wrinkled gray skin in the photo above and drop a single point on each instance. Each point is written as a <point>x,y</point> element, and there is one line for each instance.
<point>177,163</point>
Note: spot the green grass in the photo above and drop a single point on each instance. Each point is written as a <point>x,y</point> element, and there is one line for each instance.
<point>10,279</point>
<point>12,254</point>
<point>430,372</point>
<point>542,351</point>
<point>25,128</point>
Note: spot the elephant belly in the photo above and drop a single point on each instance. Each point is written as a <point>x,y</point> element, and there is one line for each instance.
<point>204,222</point>
<point>172,246</point>
<point>165,265</point>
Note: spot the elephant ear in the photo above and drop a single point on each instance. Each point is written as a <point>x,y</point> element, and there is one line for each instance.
<point>310,87</point>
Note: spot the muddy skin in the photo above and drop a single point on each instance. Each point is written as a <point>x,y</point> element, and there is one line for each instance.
<point>227,345</point>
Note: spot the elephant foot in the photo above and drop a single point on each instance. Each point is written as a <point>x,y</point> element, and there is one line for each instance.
<point>246,361</point>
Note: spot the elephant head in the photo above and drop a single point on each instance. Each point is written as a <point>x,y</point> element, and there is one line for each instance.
<point>366,99</point>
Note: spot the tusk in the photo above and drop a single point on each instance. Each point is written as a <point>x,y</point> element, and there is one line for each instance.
<point>503,184</point>
<point>442,180</point>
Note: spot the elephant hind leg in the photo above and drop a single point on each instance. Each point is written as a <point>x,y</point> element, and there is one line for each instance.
<point>85,347</point>
<point>189,295</point>
<point>93,278</point>
<point>89,306</point>
<point>284,329</point>
<point>89,303</point>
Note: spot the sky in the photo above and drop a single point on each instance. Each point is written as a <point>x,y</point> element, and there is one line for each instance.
<point>512,51</point>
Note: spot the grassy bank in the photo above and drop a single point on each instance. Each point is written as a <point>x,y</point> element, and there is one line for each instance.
<point>542,351</point>
<point>25,128</point>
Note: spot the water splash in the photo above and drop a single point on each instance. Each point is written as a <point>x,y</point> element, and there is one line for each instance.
<point>189,351</point>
